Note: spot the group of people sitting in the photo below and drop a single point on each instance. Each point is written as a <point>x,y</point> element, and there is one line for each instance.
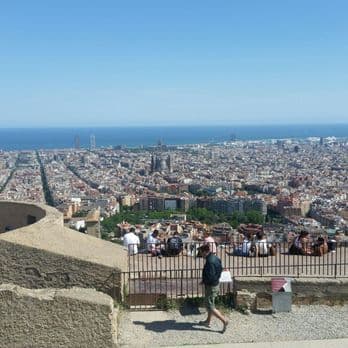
<point>154,244</point>
<point>304,245</point>
<point>253,246</point>
<point>159,247</point>
<point>247,245</point>
<point>173,246</point>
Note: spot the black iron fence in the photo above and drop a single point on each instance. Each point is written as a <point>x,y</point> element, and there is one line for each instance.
<point>150,278</point>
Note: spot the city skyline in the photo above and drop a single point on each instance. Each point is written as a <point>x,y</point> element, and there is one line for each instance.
<point>156,63</point>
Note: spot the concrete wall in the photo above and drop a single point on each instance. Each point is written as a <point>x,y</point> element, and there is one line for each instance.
<point>37,268</point>
<point>93,228</point>
<point>56,318</point>
<point>46,254</point>
<point>15,214</point>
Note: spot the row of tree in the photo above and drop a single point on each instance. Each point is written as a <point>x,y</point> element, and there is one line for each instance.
<point>133,217</point>
<point>2,188</point>
<point>46,188</point>
<point>236,218</point>
<point>199,214</point>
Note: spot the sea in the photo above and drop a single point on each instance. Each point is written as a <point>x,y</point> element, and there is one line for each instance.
<point>60,138</point>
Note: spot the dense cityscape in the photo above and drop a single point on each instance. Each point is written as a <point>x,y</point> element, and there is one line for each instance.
<point>174,174</point>
<point>302,182</point>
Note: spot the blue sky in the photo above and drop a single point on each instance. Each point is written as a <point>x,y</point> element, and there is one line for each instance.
<point>134,63</point>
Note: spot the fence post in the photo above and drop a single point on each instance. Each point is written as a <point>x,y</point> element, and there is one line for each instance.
<point>181,284</point>
<point>336,269</point>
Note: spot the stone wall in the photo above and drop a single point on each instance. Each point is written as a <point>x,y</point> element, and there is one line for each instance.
<point>255,293</point>
<point>56,318</point>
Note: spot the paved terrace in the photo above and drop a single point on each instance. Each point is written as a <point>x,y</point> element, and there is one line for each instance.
<point>305,326</point>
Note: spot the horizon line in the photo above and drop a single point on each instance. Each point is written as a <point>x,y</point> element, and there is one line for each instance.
<point>183,126</point>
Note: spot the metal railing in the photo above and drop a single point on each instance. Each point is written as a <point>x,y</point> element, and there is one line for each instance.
<point>152,278</point>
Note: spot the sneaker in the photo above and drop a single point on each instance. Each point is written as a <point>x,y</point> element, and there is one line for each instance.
<point>204,323</point>
<point>225,325</point>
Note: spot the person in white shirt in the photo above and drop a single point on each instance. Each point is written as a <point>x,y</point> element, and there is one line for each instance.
<point>153,244</point>
<point>131,241</point>
<point>246,246</point>
<point>261,244</point>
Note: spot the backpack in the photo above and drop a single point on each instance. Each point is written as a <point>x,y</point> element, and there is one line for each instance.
<point>174,245</point>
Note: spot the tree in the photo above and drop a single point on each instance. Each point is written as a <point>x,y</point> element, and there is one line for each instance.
<point>254,217</point>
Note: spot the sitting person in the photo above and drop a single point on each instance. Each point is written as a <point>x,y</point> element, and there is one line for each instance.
<point>320,247</point>
<point>300,245</point>
<point>261,244</point>
<point>154,244</point>
<point>244,248</point>
<point>174,245</point>
<point>131,241</point>
<point>273,249</point>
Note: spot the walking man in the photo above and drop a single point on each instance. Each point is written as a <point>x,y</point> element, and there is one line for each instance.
<point>210,278</point>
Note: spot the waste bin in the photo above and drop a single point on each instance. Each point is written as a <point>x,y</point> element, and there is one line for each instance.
<point>281,295</point>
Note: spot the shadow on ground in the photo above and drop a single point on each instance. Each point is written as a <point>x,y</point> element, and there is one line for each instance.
<point>165,325</point>
<point>263,312</point>
<point>189,310</point>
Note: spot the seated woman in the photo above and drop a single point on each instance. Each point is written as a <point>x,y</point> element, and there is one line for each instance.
<point>154,244</point>
<point>244,248</point>
<point>301,245</point>
<point>261,244</point>
<point>320,247</point>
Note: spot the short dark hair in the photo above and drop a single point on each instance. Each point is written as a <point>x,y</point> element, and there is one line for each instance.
<point>205,248</point>
<point>321,239</point>
<point>155,233</point>
<point>247,235</point>
<point>259,235</point>
<point>304,233</point>
<point>132,229</point>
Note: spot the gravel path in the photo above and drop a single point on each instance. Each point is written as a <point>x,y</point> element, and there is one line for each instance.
<point>174,328</point>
